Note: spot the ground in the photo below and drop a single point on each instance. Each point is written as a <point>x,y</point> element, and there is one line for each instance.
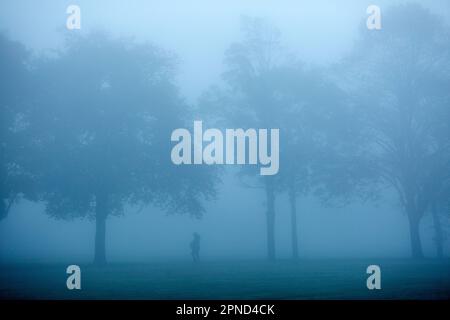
<point>305,279</point>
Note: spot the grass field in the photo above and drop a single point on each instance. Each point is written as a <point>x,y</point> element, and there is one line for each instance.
<point>308,279</point>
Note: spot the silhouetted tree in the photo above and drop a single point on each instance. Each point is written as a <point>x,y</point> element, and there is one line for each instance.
<point>399,80</point>
<point>265,87</point>
<point>312,122</point>
<point>103,124</point>
<point>246,100</point>
<point>15,80</point>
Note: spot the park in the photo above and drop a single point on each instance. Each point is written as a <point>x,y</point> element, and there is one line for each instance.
<point>234,151</point>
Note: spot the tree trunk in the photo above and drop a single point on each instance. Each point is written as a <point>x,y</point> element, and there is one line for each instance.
<point>438,238</point>
<point>101,212</point>
<point>270,194</point>
<point>416,246</point>
<point>294,237</point>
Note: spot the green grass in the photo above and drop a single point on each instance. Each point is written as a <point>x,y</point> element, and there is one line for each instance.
<point>305,279</point>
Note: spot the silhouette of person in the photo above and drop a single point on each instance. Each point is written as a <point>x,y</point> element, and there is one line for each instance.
<point>195,247</point>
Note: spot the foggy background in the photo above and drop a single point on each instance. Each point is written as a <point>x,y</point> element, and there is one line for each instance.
<point>233,226</point>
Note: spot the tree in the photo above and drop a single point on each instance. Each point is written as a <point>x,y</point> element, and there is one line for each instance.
<point>245,100</point>
<point>103,124</point>
<point>267,88</point>
<point>311,108</point>
<point>399,80</point>
<point>15,79</point>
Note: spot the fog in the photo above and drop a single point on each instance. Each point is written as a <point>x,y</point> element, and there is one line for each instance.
<point>320,34</point>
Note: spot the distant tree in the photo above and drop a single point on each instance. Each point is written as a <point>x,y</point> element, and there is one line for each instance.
<point>15,80</point>
<point>311,110</point>
<point>399,79</point>
<point>266,87</point>
<point>246,100</point>
<point>103,125</point>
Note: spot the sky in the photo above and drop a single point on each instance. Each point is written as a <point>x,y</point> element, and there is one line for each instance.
<point>199,31</point>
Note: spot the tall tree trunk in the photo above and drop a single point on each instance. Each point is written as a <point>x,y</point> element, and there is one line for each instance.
<point>101,212</point>
<point>414,231</point>
<point>294,236</point>
<point>438,237</point>
<point>270,216</point>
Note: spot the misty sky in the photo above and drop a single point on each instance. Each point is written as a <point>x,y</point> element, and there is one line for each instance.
<point>198,32</point>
